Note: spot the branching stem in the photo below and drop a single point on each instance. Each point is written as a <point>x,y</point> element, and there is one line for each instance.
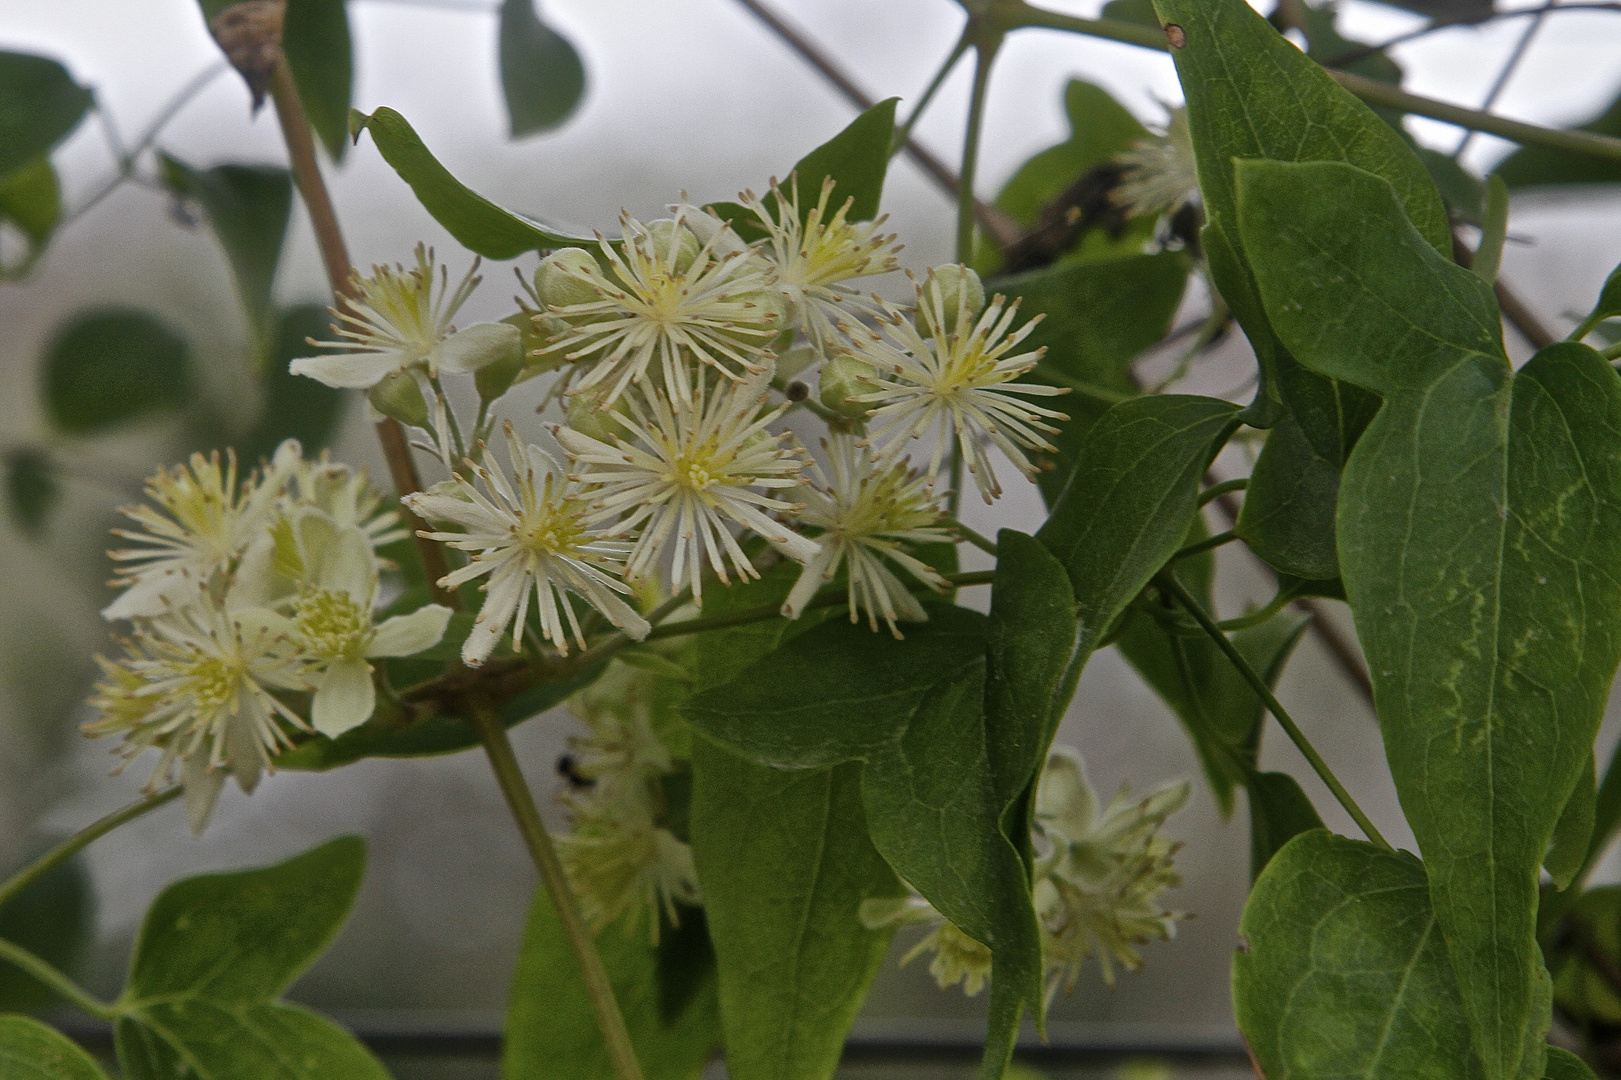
<point>71,991</point>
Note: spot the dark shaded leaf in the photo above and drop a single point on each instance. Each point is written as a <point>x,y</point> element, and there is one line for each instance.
<point>31,199</point>
<point>542,75</point>
<point>1564,1065</point>
<point>857,159</point>
<point>31,1051</point>
<point>1585,957</point>
<point>1345,972</point>
<point>31,488</point>
<point>54,918</point>
<point>315,39</point>
<point>785,861</point>
<point>40,105</point>
<point>294,407</point>
<point>477,223</point>
<point>1279,811</point>
<point>1571,835</point>
<point>110,366</point>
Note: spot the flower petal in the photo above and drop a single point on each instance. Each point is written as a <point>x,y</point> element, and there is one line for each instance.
<point>349,371</point>
<point>345,699</point>
<point>406,635</point>
<point>478,346</point>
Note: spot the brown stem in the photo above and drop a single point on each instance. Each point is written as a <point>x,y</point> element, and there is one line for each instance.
<point>295,129</point>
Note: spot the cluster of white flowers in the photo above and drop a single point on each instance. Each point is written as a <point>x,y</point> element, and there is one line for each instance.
<point>668,345</point>
<point>1097,881</point>
<point>252,610</point>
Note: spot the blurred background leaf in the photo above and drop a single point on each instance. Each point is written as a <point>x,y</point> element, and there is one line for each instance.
<point>542,75</point>
<point>31,199</point>
<point>53,918</point>
<point>40,105</point>
<point>31,488</point>
<point>315,38</point>
<point>113,365</point>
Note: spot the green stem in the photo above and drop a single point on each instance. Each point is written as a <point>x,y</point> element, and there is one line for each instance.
<point>1375,93</point>
<point>598,989</point>
<point>984,57</point>
<point>903,134</point>
<point>1258,684</point>
<point>71,991</point>
<point>983,543</point>
<point>1204,545</point>
<point>1216,491</point>
<point>70,847</point>
<point>1260,615</point>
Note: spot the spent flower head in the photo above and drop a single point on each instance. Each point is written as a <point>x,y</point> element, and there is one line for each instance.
<point>951,373</point>
<point>529,534</point>
<point>1161,175</point>
<point>689,475</point>
<point>619,860</point>
<point>867,515</point>
<point>400,320</point>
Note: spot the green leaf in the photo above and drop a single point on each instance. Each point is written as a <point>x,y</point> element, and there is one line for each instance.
<point>31,1051</point>
<point>857,159</point>
<point>1099,316</point>
<point>1345,972</point>
<point>1564,1065</point>
<point>1252,94</point>
<point>1583,956</point>
<point>107,367</point>
<point>1543,166</point>
<point>40,105</point>
<point>1129,504</point>
<point>143,1055</point>
<point>31,199</point>
<point>542,76</point>
<point>784,861</point>
<point>1479,546</point>
<point>1099,128</point>
<point>552,1031</point>
<point>1608,305</point>
<point>1279,811</point>
<point>242,1040</point>
<point>54,918</point>
<point>31,488</point>
<point>315,37</point>
<point>294,407</point>
<point>249,207</point>
<point>477,223</point>
<point>1575,828</point>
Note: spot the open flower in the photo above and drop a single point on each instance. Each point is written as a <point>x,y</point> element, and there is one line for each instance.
<point>867,515</point>
<point>953,374</point>
<point>331,622</point>
<point>196,684</point>
<point>811,253</point>
<point>664,296</point>
<point>399,319</point>
<point>1161,175</point>
<point>346,496</point>
<point>202,521</point>
<point>691,472</point>
<point>958,958</point>
<point>620,860</point>
<point>529,535</point>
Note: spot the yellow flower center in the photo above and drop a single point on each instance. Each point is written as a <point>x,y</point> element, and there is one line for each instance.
<point>332,624</point>
<point>700,469</point>
<point>552,529</point>
<point>213,681</point>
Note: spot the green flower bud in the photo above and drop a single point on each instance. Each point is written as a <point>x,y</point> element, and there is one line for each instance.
<point>399,396</point>
<point>563,278</point>
<point>960,293</point>
<point>846,376</point>
<point>792,361</point>
<point>667,231</point>
<point>586,415</point>
<point>496,378</point>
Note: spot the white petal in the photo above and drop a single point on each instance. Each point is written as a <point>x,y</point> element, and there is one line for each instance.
<point>811,579</point>
<point>202,790</point>
<point>153,593</point>
<point>345,699</point>
<point>476,347</point>
<point>253,584</point>
<point>406,635</point>
<point>348,371</point>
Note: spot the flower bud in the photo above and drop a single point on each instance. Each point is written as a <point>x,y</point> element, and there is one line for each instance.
<point>399,396</point>
<point>961,294</point>
<point>563,278</point>
<point>586,415</point>
<point>666,233</point>
<point>843,377</point>
<point>795,360</point>
<point>497,378</point>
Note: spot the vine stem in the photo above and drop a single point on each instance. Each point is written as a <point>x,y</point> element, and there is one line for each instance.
<point>1192,606</point>
<point>76,843</point>
<point>74,994</point>
<point>295,130</point>
<point>522,804</point>
<point>984,57</point>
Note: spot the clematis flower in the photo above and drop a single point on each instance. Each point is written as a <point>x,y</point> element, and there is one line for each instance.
<point>958,958</point>
<point>1161,175</point>
<point>401,319</point>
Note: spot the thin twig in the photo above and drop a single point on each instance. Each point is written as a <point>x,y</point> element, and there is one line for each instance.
<point>1510,66</point>
<point>76,843</point>
<point>71,992</point>
<point>1362,52</point>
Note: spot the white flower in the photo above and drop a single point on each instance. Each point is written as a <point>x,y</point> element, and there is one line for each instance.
<point>331,622</point>
<point>196,684</point>
<point>1096,890</point>
<point>689,474</point>
<point>346,496</point>
<point>531,534</point>
<point>1161,175</point>
<point>958,958</point>
<point>866,515</point>
<point>619,859</point>
<point>621,708</point>
<point>202,521</point>
<point>958,382</point>
<point>666,296</point>
<point>810,256</point>
<point>400,320</point>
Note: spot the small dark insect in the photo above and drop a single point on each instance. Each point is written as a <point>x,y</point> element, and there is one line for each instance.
<point>1175,35</point>
<point>569,770</point>
<point>797,391</point>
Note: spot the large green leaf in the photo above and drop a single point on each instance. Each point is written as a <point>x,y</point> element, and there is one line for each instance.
<point>110,366</point>
<point>31,199</point>
<point>913,711</point>
<point>213,954</point>
<point>1252,94</point>
<point>1099,128</point>
<point>784,861</point>
<point>294,407</point>
<point>1479,543</point>
<point>542,75</point>
<point>477,223</point>
<point>1564,1065</point>
<point>54,918</point>
<point>551,1031</point>
<point>1344,972</point>
<point>40,105</point>
<point>857,159</point>
<point>31,1051</point>
<point>1099,316</point>
<point>315,38</point>
<point>248,206</point>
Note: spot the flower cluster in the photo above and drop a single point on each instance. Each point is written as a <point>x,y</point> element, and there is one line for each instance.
<point>674,346</point>
<point>252,610</point>
<point>1096,887</point>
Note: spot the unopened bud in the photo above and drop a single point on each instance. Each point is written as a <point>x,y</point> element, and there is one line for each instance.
<point>563,278</point>
<point>399,396</point>
<point>587,415</point>
<point>792,361</point>
<point>497,378</point>
<point>668,238</point>
<point>962,295</point>
<point>844,377</point>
